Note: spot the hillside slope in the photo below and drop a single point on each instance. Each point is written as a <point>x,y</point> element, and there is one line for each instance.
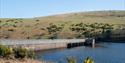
<point>31,28</point>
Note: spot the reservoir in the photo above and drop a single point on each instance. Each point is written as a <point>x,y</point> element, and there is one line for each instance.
<point>102,53</point>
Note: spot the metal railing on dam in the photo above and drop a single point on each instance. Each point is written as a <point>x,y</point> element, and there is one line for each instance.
<point>39,41</point>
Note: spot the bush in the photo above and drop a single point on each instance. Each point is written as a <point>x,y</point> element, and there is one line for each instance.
<point>88,60</point>
<point>5,51</point>
<point>11,30</point>
<point>23,53</point>
<point>31,54</point>
<point>71,60</point>
<point>20,52</point>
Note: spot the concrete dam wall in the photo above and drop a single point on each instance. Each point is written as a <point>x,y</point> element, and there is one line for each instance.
<point>44,44</point>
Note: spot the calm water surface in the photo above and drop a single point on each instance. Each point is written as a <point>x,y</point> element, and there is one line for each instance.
<point>104,53</point>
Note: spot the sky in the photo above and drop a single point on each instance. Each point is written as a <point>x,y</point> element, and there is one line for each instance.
<point>37,8</point>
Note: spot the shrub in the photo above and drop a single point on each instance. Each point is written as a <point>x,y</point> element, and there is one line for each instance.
<point>71,60</point>
<point>20,52</point>
<point>11,30</point>
<point>31,54</point>
<point>15,22</point>
<point>23,53</point>
<point>14,26</point>
<point>54,30</point>
<point>88,60</point>
<point>5,51</point>
<point>37,20</point>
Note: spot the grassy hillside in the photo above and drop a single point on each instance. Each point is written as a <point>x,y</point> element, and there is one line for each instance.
<point>32,28</point>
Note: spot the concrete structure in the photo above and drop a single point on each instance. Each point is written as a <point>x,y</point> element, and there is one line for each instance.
<point>43,44</point>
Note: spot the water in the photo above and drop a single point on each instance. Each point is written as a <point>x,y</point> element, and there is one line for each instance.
<point>104,53</point>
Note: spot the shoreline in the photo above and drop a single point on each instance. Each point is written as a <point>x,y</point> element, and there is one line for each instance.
<point>3,60</point>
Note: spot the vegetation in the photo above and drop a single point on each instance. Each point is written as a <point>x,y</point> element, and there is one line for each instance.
<point>8,52</point>
<point>54,30</point>
<point>92,30</point>
<point>5,51</point>
<point>20,53</point>
<point>88,60</point>
<point>73,60</point>
<point>87,24</point>
<point>23,53</point>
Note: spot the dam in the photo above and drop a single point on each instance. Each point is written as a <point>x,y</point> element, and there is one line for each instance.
<point>43,44</point>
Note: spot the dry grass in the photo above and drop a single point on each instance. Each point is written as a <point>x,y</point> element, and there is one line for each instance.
<point>31,27</point>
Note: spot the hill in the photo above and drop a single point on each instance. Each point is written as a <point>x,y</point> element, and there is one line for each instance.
<point>32,28</point>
